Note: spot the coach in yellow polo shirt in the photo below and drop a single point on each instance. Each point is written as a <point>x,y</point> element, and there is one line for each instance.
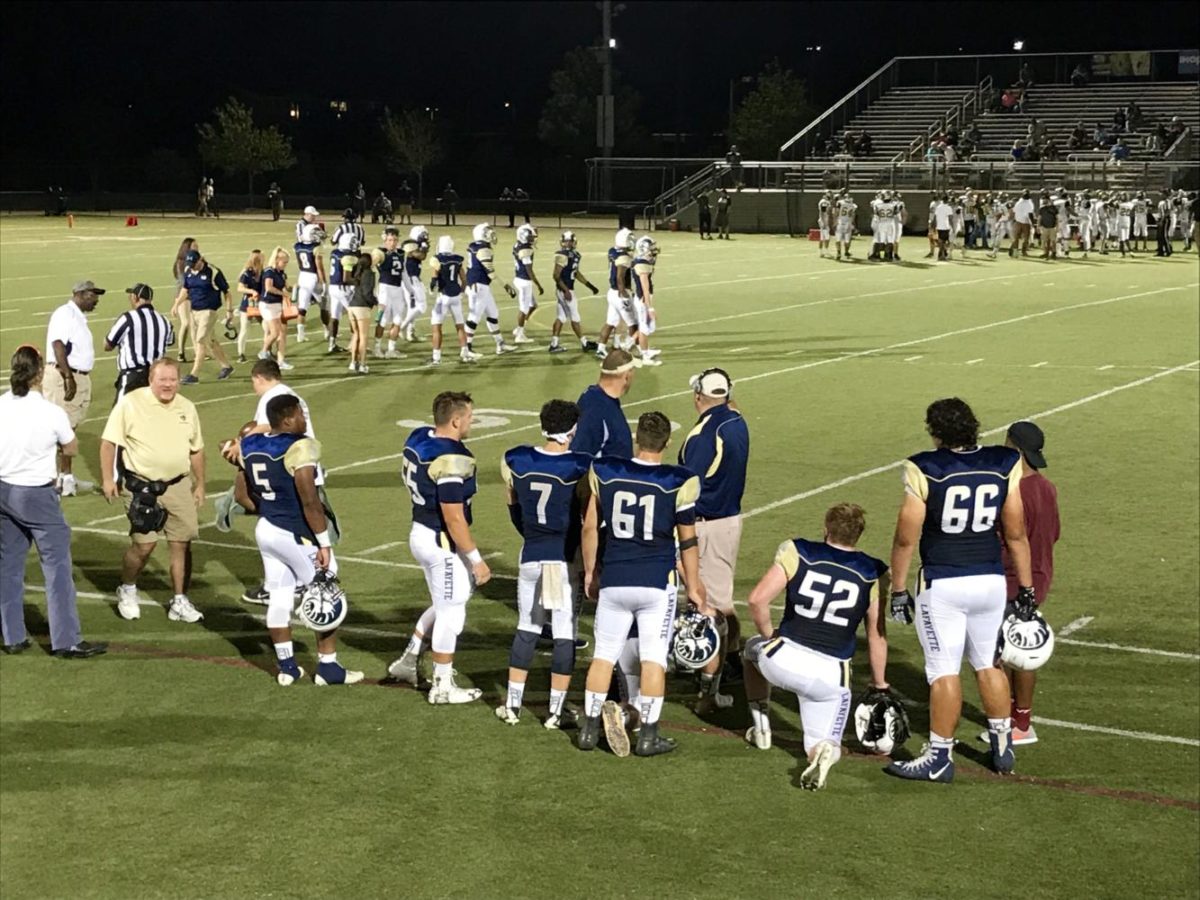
<point>158,436</point>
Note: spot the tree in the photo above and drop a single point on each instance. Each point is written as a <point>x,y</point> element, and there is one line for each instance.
<point>234,144</point>
<point>412,144</point>
<point>568,121</point>
<point>775,110</point>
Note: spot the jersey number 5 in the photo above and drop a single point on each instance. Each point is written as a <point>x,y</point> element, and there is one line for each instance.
<point>407,474</point>
<point>822,597</point>
<point>624,515</point>
<point>959,510</point>
<point>258,473</point>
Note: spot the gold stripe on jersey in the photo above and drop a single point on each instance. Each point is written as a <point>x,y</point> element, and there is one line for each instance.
<point>451,465</point>
<point>644,268</point>
<point>914,480</point>
<point>561,260</point>
<point>623,260</point>
<point>688,494</point>
<point>305,452</point>
<point>506,474</point>
<point>788,559</point>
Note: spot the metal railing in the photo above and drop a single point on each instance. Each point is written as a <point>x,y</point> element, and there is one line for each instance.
<point>959,115</point>
<point>1182,145</point>
<point>872,88</point>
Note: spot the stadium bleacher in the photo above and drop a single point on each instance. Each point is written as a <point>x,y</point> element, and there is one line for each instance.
<point>894,118</point>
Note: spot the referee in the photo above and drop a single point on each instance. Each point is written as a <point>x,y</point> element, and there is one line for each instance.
<point>716,450</point>
<point>143,335</point>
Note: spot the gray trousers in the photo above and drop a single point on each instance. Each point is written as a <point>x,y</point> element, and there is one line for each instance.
<point>33,515</point>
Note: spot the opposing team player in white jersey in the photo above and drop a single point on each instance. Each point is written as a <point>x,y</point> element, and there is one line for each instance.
<point>481,266</point>
<point>825,221</point>
<point>846,209</point>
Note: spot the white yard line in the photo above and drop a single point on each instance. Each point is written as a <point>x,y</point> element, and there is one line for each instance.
<point>379,548</point>
<point>1149,651</point>
<point>812,492</point>
<point>971,362</point>
<point>914,358</point>
<point>1038,365</point>
<point>1072,627</point>
<point>1117,732</point>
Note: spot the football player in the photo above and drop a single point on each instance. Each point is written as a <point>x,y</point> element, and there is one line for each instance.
<point>846,209</point>
<point>480,268</point>
<point>1125,224</point>
<point>278,480</point>
<point>310,283</point>
<point>620,294</point>
<point>546,488</point>
<point>308,218</point>
<point>449,280</point>
<point>831,587</point>
<point>645,258</point>
<point>954,496</point>
<point>415,249</point>
<point>524,279</point>
<point>899,218</point>
<point>1141,229</point>
<point>876,200</point>
<point>439,472</point>
<point>392,303</point>
<point>566,272</point>
<point>341,286</point>
<point>642,505</point>
<point>1065,212</point>
<point>825,221</point>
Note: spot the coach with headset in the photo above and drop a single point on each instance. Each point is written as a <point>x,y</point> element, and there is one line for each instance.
<point>717,450</point>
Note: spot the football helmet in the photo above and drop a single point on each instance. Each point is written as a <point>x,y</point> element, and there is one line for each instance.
<point>646,247</point>
<point>419,233</point>
<point>526,234</point>
<point>483,232</point>
<point>1025,644</point>
<point>695,641</point>
<point>312,233</point>
<point>445,244</point>
<point>624,239</point>
<point>880,722</point>
<point>323,605</point>
<point>348,242</point>
<point>567,239</point>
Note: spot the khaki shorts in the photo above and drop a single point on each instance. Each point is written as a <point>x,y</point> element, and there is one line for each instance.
<point>54,390</point>
<point>360,313</point>
<point>182,523</point>
<point>719,540</point>
<point>204,322</point>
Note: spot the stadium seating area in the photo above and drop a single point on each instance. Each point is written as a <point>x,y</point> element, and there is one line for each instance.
<point>895,118</point>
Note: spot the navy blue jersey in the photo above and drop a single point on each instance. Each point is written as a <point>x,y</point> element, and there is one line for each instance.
<point>828,592</point>
<point>602,429</point>
<point>342,263</point>
<point>276,278</point>
<point>412,265</point>
<point>618,258</point>
<point>717,450</point>
<point>963,492</point>
<point>546,487</point>
<point>446,268</point>
<point>306,257</point>
<point>391,270</point>
<point>270,462</point>
<point>523,261</point>
<point>205,287</point>
<point>643,267</point>
<point>480,263</point>
<point>569,261</point>
<point>437,470</point>
<point>640,506</point>
<point>252,281</point>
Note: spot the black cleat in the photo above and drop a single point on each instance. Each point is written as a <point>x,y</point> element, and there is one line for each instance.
<point>650,744</point>
<point>589,733</point>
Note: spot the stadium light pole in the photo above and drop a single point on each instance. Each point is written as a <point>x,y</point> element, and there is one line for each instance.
<point>605,126</point>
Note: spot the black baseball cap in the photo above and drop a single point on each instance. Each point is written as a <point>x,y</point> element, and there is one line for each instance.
<point>142,292</point>
<point>1028,438</point>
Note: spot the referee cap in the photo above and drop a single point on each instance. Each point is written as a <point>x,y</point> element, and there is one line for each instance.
<point>142,292</point>
<point>714,383</point>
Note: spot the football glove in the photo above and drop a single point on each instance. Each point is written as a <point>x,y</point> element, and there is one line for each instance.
<point>902,607</point>
<point>1023,606</point>
<point>510,290</point>
<point>595,290</point>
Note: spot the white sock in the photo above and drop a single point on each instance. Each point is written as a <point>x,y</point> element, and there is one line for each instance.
<point>760,715</point>
<point>516,694</point>
<point>327,657</point>
<point>941,745</point>
<point>651,709</point>
<point>391,346</point>
<point>554,341</point>
<point>999,726</point>
<point>283,651</point>
<point>180,597</point>
<point>128,588</point>
<point>442,671</point>
<point>300,331</point>
<point>592,701</point>
<point>414,646</point>
<point>437,355</point>
<point>557,699</point>
<point>378,345</point>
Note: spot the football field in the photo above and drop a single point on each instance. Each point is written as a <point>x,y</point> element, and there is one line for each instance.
<point>175,767</point>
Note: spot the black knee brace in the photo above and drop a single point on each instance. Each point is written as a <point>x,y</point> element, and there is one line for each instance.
<point>471,326</point>
<point>524,645</point>
<point>562,662</point>
<point>492,321</point>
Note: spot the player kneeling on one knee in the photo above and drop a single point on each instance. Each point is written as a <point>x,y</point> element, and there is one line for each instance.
<point>831,587</point>
<point>278,481</point>
<point>546,488</point>
<point>642,504</point>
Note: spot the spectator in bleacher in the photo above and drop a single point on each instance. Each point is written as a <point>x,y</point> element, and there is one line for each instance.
<point>820,146</point>
<point>934,152</point>
<point>864,144</point>
<point>1009,100</point>
<point>1134,116</point>
<point>1119,152</point>
<point>1175,129</point>
<point>1078,139</point>
<point>948,152</point>
<point>1102,137</point>
<point>1036,131</point>
<point>1162,137</point>
<point>974,135</point>
<point>850,142</point>
<point>733,159</point>
<point>1018,150</point>
<point>1152,144</point>
<point>1079,75</point>
<point>1119,122</point>
<point>1026,74</point>
<point>1049,150</point>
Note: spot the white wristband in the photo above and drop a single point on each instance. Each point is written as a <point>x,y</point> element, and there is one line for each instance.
<point>323,539</point>
<point>475,556</point>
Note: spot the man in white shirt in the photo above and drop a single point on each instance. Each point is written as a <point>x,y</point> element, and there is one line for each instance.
<point>1023,212</point>
<point>68,383</point>
<point>30,511</point>
<point>943,218</point>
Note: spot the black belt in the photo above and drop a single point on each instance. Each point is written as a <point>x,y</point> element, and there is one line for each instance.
<point>145,368</point>
<point>79,371</point>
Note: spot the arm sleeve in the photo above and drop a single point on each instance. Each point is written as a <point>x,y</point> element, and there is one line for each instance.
<point>914,480</point>
<point>788,559</point>
<point>305,452</point>
<point>118,330</point>
<point>685,502</point>
<point>222,284</point>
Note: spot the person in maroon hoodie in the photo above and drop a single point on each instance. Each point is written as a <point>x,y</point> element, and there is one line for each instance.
<point>1040,499</point>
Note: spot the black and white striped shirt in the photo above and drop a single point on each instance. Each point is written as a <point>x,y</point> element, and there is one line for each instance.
<point>143,335</point>
<point>350,228</point>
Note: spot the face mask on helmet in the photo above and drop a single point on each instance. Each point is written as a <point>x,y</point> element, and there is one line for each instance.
<point>696,641</point>
<point>1026,644</point>
<point>880,722</point>
<point>324,604</point>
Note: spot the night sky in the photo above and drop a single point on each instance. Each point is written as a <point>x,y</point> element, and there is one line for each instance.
<point>173,62</point>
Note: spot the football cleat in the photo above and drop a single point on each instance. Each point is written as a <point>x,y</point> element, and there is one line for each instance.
<point>1019,738</point>
<point>508,715</point>
<point>568,718</point>
<point>127,604</point>
<point>760,738</point>
<point>589,733</point>
<point>502,348</point>
<point>614,728</point>
<point>289,675</point>
<point>650,744</point>
<point>407,669</point>
<point>813,778</point>
<point>393,354</point>
<point>259,596</point>
<point>471,356</point>
<point>557,348</point>
<point>335,673</point>
<point>601,351</point>
<point>1003,758</point>
<point>929,766</point>
<point>446,691</point>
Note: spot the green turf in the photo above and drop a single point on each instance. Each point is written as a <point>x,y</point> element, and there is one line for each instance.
<point>158,771</point>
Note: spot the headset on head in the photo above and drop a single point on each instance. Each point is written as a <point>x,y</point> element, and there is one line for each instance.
<point>697,380</point>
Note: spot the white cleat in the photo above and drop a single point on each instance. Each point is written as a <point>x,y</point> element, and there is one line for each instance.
<point>503,348</point>
<point>407,669</point>
<point>470,356</point>
<point>181,610</point>
<point>759,738</point>
<point>519,337</point>
<point>127,604</point>
<point>568,718</point>
<point>353,367</point>
<point>446,691</point>
<point>651,361</point>
<point>508,715</point>
<point>393,354</point>
<point>286,680</point>
<point>813,778</point>
<point>286,366</point>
